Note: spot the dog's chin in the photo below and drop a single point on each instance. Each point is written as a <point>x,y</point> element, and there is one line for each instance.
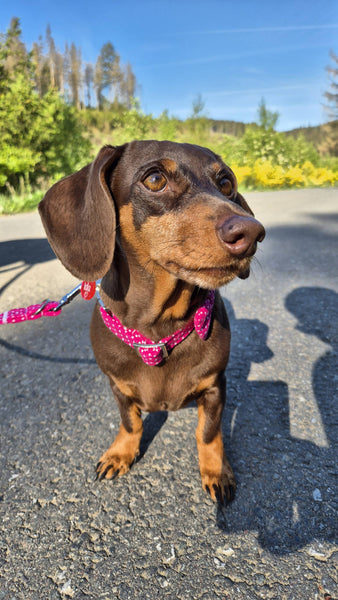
<point>244,274</point>
<point>210,277</point>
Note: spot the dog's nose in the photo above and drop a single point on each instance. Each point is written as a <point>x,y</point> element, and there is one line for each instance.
<point>240,234</point>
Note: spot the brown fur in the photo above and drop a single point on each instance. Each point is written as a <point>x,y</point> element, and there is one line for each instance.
<point>159,252</point>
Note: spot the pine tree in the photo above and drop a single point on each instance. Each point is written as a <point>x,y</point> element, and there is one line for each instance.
<point>332,95</point>
<point>107,73</point>
<point>329,145</point>
<point>75,77</point>
<point>38,61</point>
<point>127,86</point>
<point>15,57</point>
<point>89,80</point>
<point>51,55</point>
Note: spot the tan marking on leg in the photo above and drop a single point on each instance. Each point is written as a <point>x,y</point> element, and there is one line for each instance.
<point>127,389</point>
<point>206,383</point>
<point>216,472</point>
<point>118,459</point>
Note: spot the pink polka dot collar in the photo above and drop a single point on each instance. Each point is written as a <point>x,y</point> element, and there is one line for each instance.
<point>153,353</point>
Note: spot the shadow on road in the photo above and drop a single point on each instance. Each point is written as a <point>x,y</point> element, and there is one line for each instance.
<point>286,485</point>
<point>28,252</point>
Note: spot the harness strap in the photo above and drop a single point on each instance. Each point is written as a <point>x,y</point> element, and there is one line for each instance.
<point>153,353</point>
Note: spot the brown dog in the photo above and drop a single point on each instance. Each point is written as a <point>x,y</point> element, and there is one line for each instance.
<point>162,224</point>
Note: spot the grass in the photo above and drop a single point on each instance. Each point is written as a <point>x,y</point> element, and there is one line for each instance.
<point>18,203</point>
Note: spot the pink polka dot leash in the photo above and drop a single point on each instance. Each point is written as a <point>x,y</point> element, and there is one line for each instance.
<point>153,353</point>
<point>48,308</point>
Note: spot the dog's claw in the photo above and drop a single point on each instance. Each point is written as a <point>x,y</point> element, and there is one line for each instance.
<point>220,491</point>
<point>112,466</point>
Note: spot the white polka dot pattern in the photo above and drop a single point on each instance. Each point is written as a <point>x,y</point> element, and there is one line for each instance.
<point>154,356</point>
<point>18,315</point>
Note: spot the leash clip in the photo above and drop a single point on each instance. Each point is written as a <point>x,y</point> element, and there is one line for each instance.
<point>42,307</point>
<point>67,298</point>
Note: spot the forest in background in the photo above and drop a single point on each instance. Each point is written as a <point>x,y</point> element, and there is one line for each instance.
<point>56,112</point>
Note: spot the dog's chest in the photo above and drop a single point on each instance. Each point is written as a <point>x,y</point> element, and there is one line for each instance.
<point>163,388</point>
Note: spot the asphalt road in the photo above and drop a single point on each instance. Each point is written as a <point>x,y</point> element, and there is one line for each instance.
<point>154,533</point>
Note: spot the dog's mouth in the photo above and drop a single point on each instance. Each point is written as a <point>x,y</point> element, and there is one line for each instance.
<point>210,277</point>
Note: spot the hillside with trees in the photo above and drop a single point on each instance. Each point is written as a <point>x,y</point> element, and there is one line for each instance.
<point>56,111</point>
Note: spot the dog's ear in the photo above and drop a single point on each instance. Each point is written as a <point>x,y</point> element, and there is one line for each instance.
<point>78,214</point>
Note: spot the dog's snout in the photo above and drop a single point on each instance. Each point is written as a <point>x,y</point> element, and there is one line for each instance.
<point>240,234</point>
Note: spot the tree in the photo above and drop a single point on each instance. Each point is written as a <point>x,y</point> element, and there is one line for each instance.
<point>14,56</point>
<point>332,95</point>
<point>89,80</point>
<point>198,107</point>
<point>51,55</point>
<point>127,86</point>
<point>59,72</point>
<point>107,72</point>
<point>39,137</point>
<point>266,118</point>
<point>329,144</point>
<point>38,61</point>
<point>74,75</point>
<point>198,122</point>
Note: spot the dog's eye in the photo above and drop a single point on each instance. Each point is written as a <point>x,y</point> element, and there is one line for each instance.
<point>225,186</point>
<point>155,182</point>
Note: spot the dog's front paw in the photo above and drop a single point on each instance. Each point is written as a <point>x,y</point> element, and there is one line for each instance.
<point>113,464</point>
<point>220,484</point>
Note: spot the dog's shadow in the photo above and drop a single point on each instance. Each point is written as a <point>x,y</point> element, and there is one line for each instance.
<point>151,426</point>
<point>286,485</point>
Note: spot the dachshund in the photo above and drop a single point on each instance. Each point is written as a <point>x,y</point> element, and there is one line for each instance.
<point>163,226</point>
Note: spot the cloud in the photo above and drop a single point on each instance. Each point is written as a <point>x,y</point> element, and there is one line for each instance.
<point>262,29</point>
<point>260,90</point>
<point>231,56</point>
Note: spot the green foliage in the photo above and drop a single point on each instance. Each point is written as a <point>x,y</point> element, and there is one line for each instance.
<point>21,200</point>
<point>132,124</point>
<point>167,127</point>
<point>43,137</point>
<point>38,136</point>
<point>266,144</point>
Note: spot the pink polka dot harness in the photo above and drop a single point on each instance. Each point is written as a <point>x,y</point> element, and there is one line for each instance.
<point>153,353</point>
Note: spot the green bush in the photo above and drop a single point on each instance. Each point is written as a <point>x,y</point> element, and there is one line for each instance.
<point>39,137</point>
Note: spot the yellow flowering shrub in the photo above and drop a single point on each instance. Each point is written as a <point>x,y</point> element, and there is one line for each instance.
<point>263,174</point>
<point>295,177</point>
<point>268,175</point>
<point>322,177</point>
<point>242,173</point>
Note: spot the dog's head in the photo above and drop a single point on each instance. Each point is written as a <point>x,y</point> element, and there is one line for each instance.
<point>171,205</point>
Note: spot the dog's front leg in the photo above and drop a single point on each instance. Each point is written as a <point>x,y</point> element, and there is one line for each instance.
<point>217,475</point>
<point>118,459</point>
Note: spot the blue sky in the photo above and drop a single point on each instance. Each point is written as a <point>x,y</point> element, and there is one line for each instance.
<point>233,53</point>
